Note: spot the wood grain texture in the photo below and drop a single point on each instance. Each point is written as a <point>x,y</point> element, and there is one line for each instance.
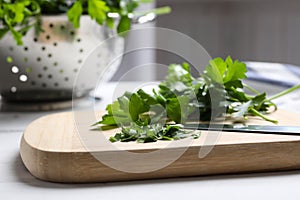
<point>62,148</point>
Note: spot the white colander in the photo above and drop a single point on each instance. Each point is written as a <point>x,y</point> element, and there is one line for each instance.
<point>45,67</point>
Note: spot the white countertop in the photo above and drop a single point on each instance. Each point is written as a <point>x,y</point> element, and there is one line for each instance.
<point>16,182</point>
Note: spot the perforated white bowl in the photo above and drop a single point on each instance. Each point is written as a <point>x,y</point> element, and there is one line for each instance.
<point>45,67</point>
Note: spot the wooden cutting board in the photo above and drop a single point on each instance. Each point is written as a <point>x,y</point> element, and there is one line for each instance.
<point>62,148</point>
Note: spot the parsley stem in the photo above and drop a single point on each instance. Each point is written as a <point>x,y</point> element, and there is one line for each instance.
<point>155,11</point>
<point>296,87</point>
<point>255,112</point>
<point>251,88</point>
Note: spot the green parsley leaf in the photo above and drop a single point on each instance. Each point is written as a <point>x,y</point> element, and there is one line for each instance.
<point>3,31</point>
<point>97,10</point>
<point>124,25</point>
<point>235,71</point>
<point>178,109</point>
<point>137,106</point>
<point>74,14</point>
<point>216,69</point>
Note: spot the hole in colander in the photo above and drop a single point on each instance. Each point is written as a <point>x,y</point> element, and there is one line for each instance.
<point>38,59</point>
<point>78,40</point>
<point>66,79</point>
<point>55,64</point>
<point>49,55</point>
<point>55,44</point>
<point>40,75</point>
<point>23,78</point>
<point>25,59</point>
<point>9,59</point>
<point>51,25</point>
<point>35,39</point>
<point>81,50</point>
<point>25,48</point>
<point>28,70</point>
<point>79,61</point>
<point>75,70</point>
<point>14,69</point>
<point>61,71</point>
<point>49,76</point>
<point>43,48</point>
<point>11,48</point>
<point>13,89</point>
<point>72,33</point>
<point>45,68</point>
<point>48,37</point>
<point>56,84</point>
<point>33,83</point>
<point>62,27</point>
<point>44,85</point>
<point>78,94</point>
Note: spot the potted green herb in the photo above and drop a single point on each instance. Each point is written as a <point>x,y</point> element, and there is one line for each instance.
<point>44,42</point>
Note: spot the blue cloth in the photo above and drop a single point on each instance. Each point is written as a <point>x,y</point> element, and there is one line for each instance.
<point>285,75</point>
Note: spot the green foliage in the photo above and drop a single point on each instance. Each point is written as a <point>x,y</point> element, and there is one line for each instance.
<point>181,98</point>
<point>97,10</point>
<point>16,16</point>
<point>74,14</point>
<point>124,25</point>
<point>152,133</point>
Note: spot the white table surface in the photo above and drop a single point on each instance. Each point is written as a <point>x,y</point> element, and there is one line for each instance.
<point>17,183</point>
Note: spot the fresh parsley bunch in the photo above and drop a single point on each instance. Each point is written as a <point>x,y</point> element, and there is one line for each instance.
<point>217,92</point>
<point>16,16</point>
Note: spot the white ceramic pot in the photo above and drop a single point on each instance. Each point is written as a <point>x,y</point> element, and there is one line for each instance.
<point>45,67</point>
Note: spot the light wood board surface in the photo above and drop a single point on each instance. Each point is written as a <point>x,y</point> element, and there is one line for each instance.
<point>62,148</point>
